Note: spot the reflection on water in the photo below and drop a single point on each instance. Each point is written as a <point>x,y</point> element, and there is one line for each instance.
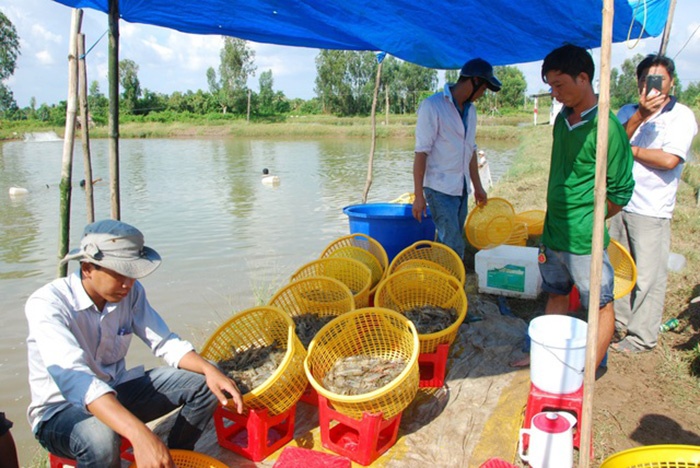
<point>227,240</point>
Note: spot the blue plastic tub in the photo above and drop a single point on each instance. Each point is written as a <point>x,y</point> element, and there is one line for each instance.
<point>390,224</point>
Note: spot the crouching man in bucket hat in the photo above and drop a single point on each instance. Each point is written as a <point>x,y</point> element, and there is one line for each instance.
<point>80,327</point>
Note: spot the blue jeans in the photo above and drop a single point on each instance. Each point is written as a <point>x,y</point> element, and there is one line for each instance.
<point>449,213</point>
<point>562,270</point>
<point>77,434</point>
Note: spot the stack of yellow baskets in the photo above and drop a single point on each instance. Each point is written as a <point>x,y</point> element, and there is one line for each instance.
<point>417,287</point>
<point>353,273</point>
<point>490,225</point>
<point>364,249</point>
<point>319,295</point>
<point>432,255</point>
<point>258,327</point>
<point>496,223</point>
<point>373,332</point>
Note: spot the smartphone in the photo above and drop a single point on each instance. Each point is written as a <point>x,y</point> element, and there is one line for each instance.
<point>654,82</point>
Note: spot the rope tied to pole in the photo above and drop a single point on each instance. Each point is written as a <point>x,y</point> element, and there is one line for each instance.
<point>93,46</point>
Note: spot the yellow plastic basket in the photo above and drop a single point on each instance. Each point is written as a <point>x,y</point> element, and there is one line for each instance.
<point>655,456</point>
<point>405,198</point>
<point>190,459</point>
<point>352,273</point>
<point>518,235</point>
<point>320,295</point>
<point>375,332</point>
<point>625,269</point>
<point>533,219</point>
<point>417,287</point>
<point>357,246</point>
<point>426,254</point>
<point>256,327</point>
<point>490,225</point>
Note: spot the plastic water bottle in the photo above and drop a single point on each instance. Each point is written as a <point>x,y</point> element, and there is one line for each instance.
<point>676,262</point>
<point>668,325</point>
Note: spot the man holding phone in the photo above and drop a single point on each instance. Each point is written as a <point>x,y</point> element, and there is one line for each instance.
<point>661,131</point>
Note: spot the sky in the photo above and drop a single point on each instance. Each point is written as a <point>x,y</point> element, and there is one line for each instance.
<point>171,61</point>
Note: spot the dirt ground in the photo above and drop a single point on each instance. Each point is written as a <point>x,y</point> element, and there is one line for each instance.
<point>645,398</point>
<point>641,400</point>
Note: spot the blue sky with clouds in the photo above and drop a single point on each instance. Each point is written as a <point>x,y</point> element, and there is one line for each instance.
<point>172,61</point>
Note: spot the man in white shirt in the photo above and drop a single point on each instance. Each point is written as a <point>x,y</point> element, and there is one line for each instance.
<point>661,131</point>
<point>80,328</point>
<point>445,154</point>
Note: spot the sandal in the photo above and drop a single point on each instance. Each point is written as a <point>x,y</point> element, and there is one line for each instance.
<point>626,347</point>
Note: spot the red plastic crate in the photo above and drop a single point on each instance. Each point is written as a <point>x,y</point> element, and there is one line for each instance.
<point>539,401</point>
<point>254,435</point>
<point>433,367</point>
<point>361,441</point>
<point>294,457</point>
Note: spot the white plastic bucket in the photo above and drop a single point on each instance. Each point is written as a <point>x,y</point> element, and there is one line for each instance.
<point>557,353</point>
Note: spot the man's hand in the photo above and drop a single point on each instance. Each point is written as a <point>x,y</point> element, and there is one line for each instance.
<point>480,196</point>
<point>650,103</point>
<point>218,383</point>
<point>151,452</point>
<point>419,207</point>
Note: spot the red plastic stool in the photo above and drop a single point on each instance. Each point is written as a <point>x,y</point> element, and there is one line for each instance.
<point>432,367</point>
<point>59,462</point>
<point>310,396</point>
<point>254,435</point>
<point>539,401</point>
<point>293,457</point>
<point>361,441</point>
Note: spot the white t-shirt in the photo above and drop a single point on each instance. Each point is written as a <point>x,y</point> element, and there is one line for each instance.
<point>671,129</point>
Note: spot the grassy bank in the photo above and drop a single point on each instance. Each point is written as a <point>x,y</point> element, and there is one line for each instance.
<point>300,126</point>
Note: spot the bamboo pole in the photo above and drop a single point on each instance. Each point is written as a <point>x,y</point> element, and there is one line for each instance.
<point>386,106</point>
<point>85,128</point>
<point>247,114</point>
<point>113,76</point>
<point>667,28</point>
<point>368,182</point>
<point>600,191</point>
<point>68,140</point>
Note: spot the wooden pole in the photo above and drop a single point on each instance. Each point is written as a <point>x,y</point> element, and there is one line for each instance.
<point>368,182</point>
<point>68,140</point>
<point>247,115</point>
<point>600,191</point>
<point>85,128</point>
<point>667,28</point>
<point>113,125</point>
<point>386,106</point>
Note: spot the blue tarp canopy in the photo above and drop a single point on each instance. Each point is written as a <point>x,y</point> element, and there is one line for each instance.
<point>431,33</point>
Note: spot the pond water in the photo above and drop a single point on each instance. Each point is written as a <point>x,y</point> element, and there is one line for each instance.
<point>228,241</point>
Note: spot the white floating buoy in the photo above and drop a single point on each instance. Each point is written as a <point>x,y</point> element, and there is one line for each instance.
<point>269,179</point>
<point>16,191</point>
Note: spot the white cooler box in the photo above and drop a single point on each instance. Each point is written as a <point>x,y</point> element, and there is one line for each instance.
<point>509,270</point>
